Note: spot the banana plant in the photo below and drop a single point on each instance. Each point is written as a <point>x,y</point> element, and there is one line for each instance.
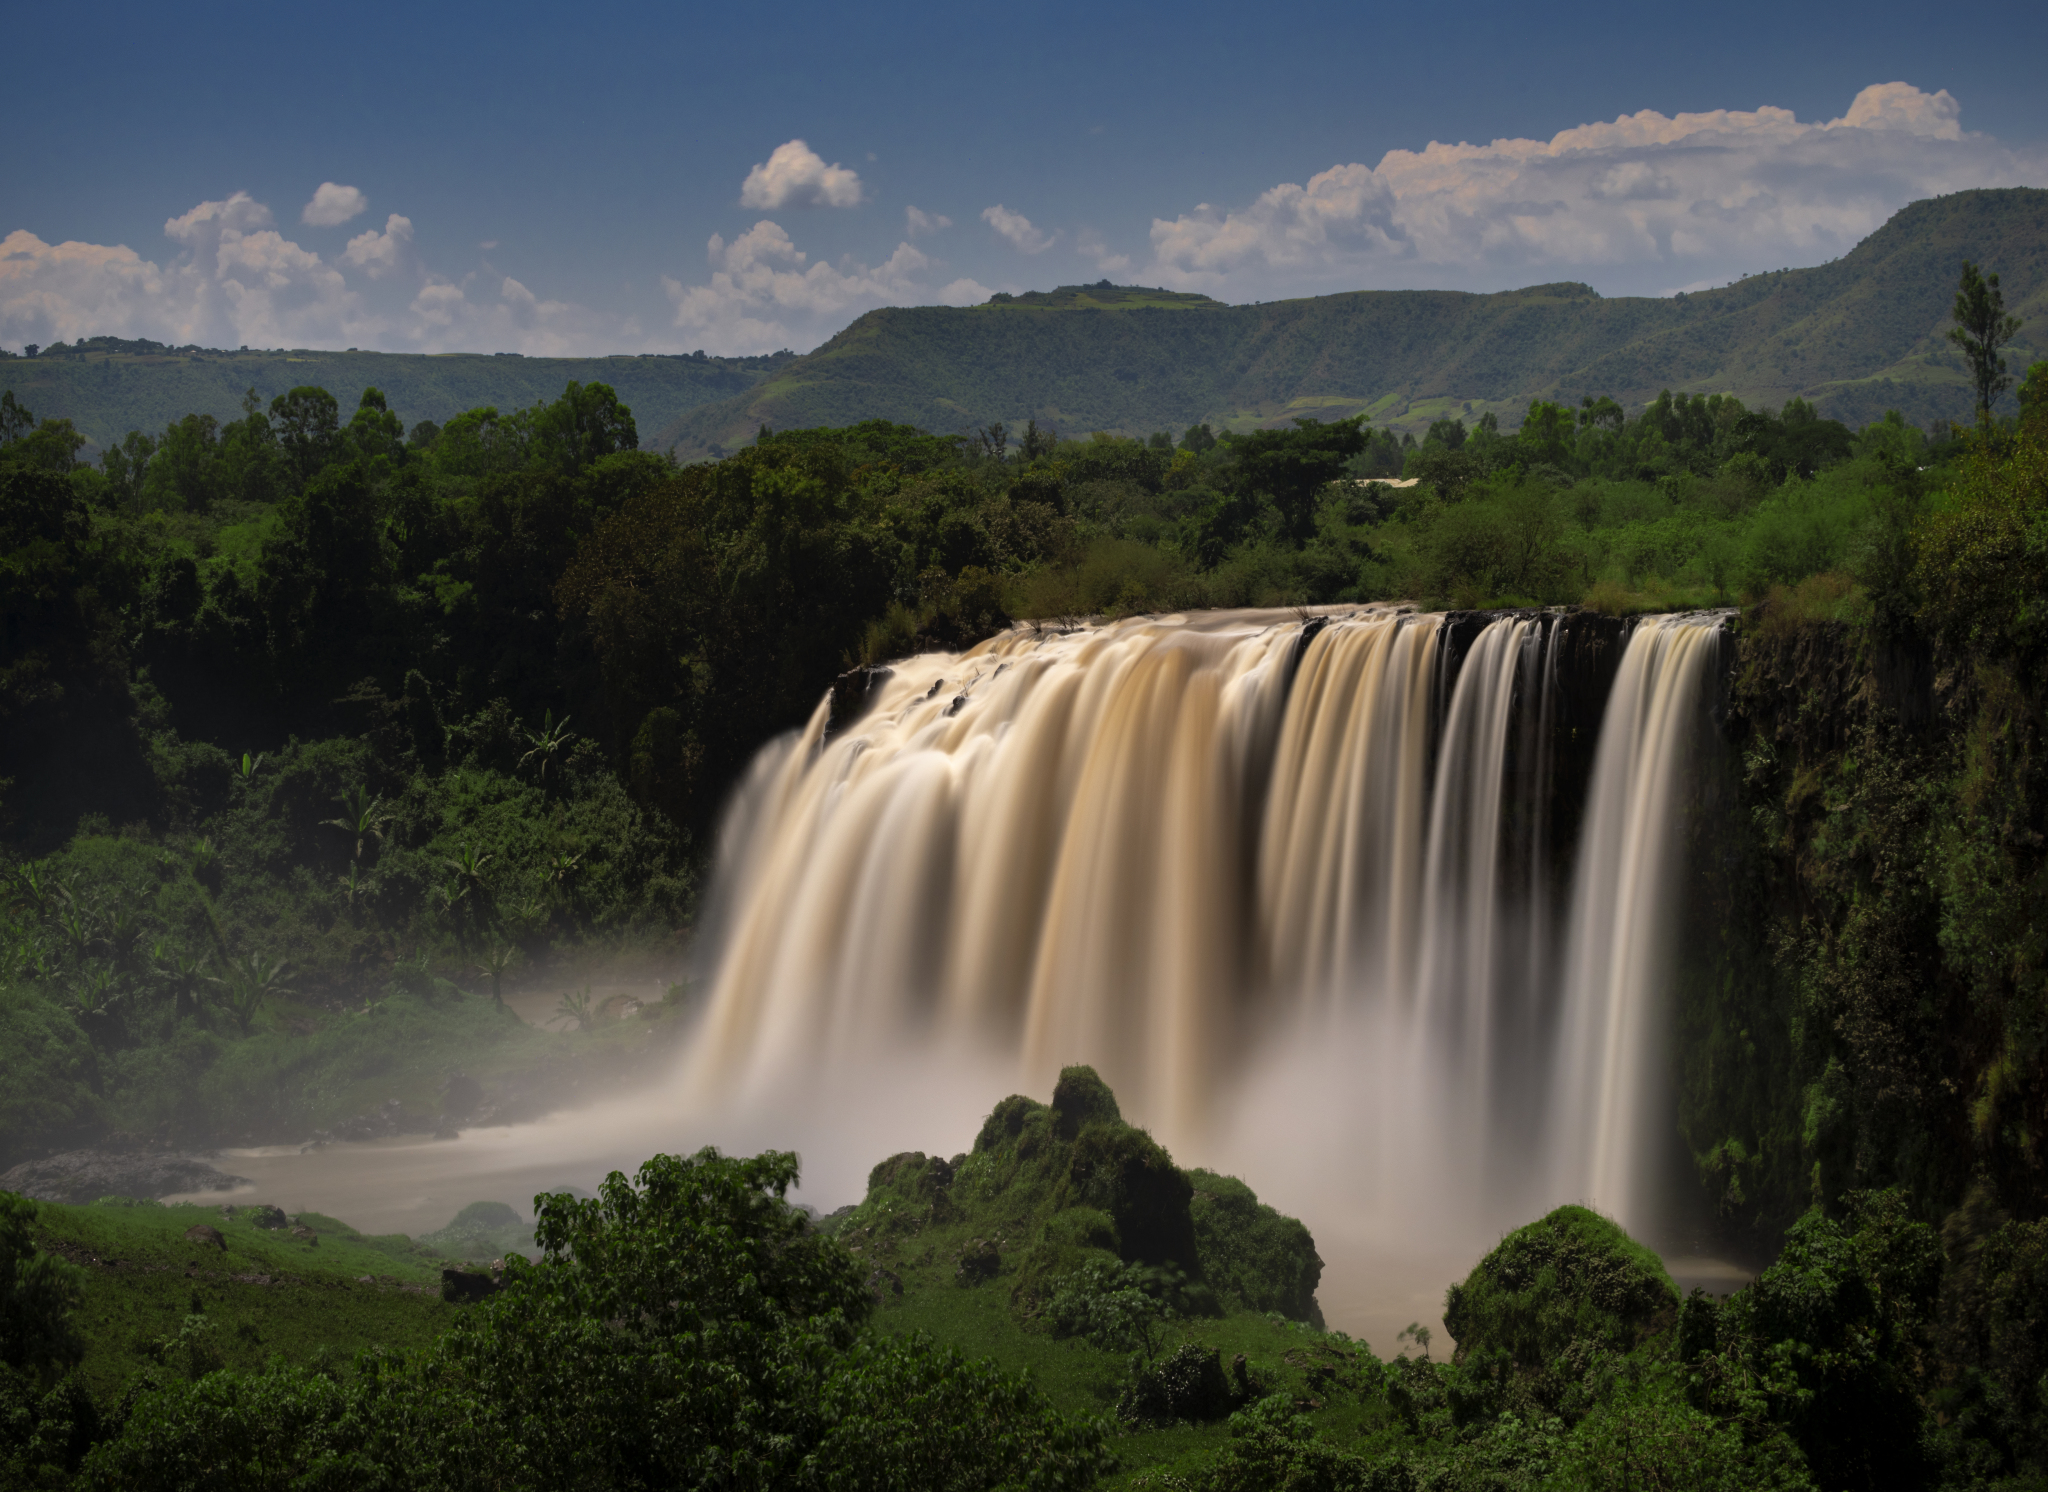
<point>181,973</point>
<point>498,958</point>
<point>362,818</point>
<point>250,766</point>
<point>120,930</point>
<point>545,744</point>
<point>78,927</point>
<point>249,983</point>
<point>576,1007</point>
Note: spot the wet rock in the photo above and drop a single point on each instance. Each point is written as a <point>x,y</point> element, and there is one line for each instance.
<point>852,693</point>
<point>884,1280</point>
<point>80,1176</point>
<point>206,1237</point>
<point>263,1215</point>
<point>466,1286</point>
<point>460,1095</point>
<point>978,1260</point>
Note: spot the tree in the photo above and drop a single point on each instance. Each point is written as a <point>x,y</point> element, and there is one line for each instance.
<point>38,1293</point>
<point>308,427</point>
<point>1981,328</point>
<point>1292,467</point>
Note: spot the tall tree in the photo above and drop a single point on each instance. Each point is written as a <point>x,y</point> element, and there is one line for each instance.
<point>1981,328</point>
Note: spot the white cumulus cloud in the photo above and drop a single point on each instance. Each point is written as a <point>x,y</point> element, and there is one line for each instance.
<point>378,254</point>
<point>1644,202</point>
<point>1017,228</point>
<point>918,223</point>
<point>765,293</point>
<point>236,281</point>
<point>333,204</point>
<point>797,176</point>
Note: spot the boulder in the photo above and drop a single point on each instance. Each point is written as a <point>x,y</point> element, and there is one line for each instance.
<point>263,1215</point>
<point>466,1286</point>
<point>81,1176</point>
<point>206,1237</point>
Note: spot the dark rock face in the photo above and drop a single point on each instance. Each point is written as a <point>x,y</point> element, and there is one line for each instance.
<point>979,1261</point>
<point>80,1176</point>
<point>1188,1387</point>
<point>852,693</point>
<point>263,1215</point>
<point>206,1237</point>
<point>465,1286</point>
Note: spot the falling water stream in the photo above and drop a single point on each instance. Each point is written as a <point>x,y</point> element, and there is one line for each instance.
<point>1294,884</point>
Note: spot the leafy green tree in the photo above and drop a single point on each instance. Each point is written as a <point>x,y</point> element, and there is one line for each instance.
<point>308,423</point>
<point>185,473</point>
<point>38,1293</point>
<point>374,430</point>
<point>1450,434</point>
<point>1981,328</point>
<point>1290,468</point>
<point>15,420</point>
<point>1546,435</point>
<point>126,465</point>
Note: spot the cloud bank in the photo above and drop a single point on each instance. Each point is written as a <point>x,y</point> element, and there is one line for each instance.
<point>1646,202</point>
<point>238,282</point>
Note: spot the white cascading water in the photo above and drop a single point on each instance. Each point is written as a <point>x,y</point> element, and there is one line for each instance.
<point>1240,862</point>
<point>1619,950</point>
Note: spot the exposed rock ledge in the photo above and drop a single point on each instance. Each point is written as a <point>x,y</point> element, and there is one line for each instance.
<point>86,1175</point>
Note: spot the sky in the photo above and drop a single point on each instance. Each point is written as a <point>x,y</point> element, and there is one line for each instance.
<point>640,178</point>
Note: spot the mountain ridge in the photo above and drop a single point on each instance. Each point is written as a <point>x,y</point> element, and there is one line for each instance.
<point>1859,335</point>
<point>1856,336</point>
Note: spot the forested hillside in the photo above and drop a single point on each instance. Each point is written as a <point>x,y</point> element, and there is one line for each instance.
<point>1855,338</point>
<point>107,386</point>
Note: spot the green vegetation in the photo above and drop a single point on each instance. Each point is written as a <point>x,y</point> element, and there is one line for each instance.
<point>1040,1312</point>
<point>108,386</point>
<point>1854,338</point>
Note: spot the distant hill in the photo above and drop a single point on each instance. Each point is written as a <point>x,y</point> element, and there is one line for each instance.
<point>108,387</point>
<point>1858,336</point>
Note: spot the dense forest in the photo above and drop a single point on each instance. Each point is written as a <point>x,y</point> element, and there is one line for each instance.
<point>319,726</point>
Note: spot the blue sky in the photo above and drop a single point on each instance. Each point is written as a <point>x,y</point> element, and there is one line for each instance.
<point>569,179</point>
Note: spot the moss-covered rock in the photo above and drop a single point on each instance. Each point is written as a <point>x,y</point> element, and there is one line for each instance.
<point>1050,1188</point>
<point>1251,1253</point>
<point>1554,1298</point>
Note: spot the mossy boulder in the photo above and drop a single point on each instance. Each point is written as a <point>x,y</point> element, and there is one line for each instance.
<point>1252,1253</point>
<point>1552,1299</point>
<point>1050,1187</point>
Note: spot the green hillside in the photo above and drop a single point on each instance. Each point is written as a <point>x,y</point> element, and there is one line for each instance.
<point>1858,336</point>
<point>107,387</point>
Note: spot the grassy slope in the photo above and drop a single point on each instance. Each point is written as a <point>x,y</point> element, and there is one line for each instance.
<point>1860,335</point>
<point>268,1295</point>
<point>107,396</point>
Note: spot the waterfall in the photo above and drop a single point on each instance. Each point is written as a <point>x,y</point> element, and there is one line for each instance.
<point>1179,847</point>
<point>1619,956</point>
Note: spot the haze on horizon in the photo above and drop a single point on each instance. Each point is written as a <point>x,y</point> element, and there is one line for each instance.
<point>663,187</point>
